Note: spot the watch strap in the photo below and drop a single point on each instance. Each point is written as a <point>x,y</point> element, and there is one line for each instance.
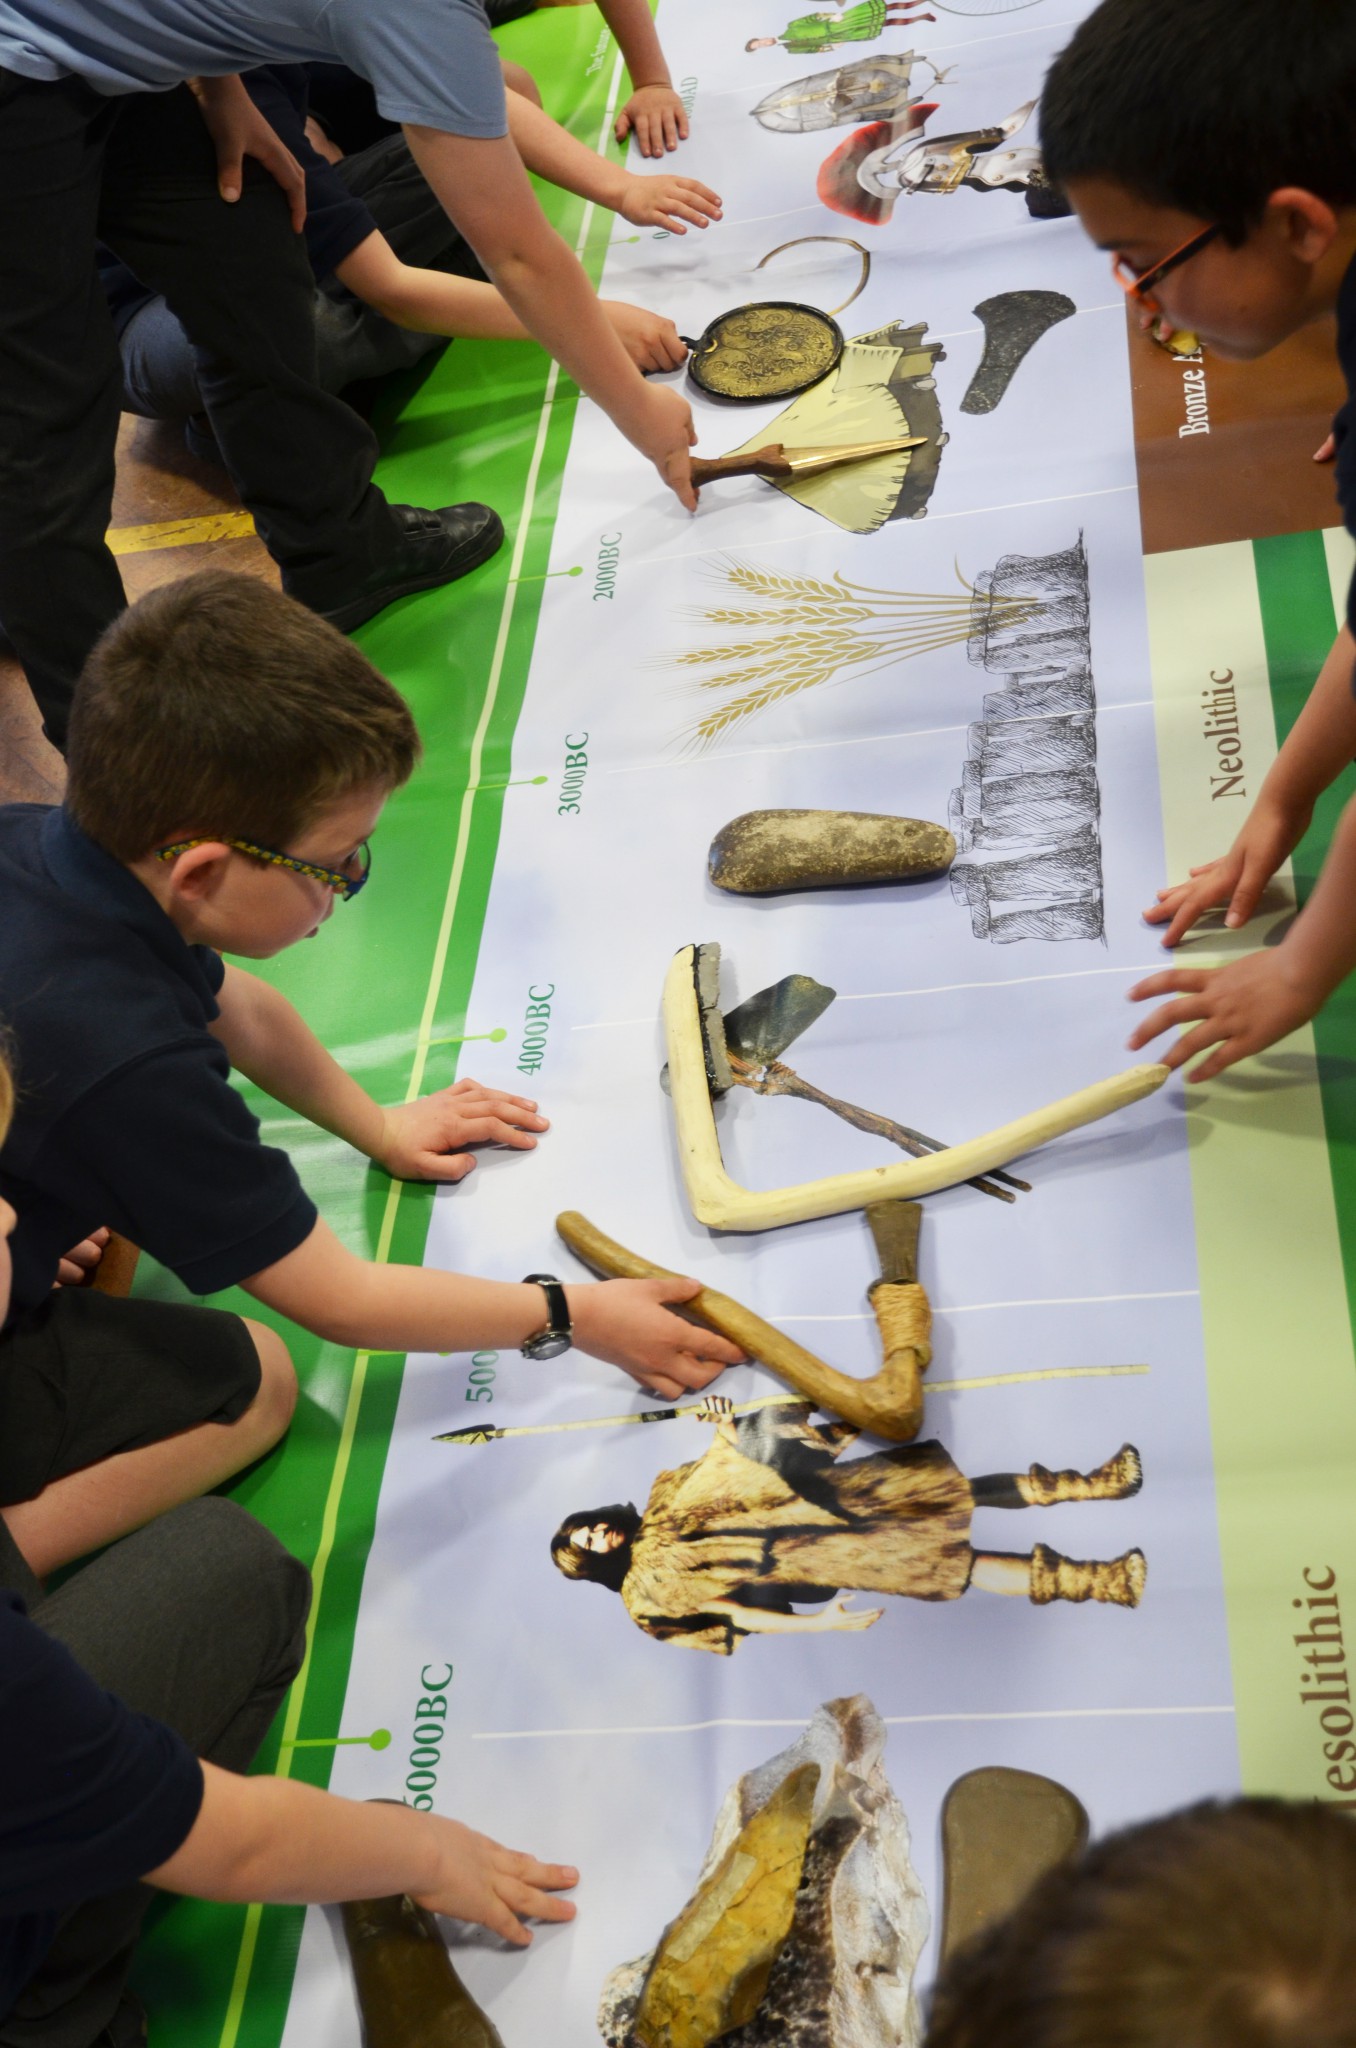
<point>557,1308</point>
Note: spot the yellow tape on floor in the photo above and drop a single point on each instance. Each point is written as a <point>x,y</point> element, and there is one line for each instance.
<point>179,533</point>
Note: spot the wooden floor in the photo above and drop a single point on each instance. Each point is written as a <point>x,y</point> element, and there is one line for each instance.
<point>159,484</point>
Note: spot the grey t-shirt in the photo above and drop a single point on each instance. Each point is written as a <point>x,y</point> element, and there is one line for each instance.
<point>433,62</point>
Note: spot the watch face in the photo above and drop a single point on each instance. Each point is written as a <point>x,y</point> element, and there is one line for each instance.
<point>549,1345</point>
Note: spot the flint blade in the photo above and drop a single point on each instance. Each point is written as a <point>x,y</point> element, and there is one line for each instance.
<point>760,1029</point>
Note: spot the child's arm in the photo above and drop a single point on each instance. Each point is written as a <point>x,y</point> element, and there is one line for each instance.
<point>655,201</point>
<point>276,1048</point>
<point>367,1307</point>
<point>435,302</point>
<point>1248,1005</point>
<point>1321,743</point>
<point>484,191</point>
<point>654,110</point>
<point>272,1841</point>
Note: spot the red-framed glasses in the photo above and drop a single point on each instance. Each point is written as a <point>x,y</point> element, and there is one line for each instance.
<point>1139,284</point>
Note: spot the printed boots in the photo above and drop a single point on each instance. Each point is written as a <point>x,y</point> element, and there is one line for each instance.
<point>1119,1581</point>
<point>1116,1480</point>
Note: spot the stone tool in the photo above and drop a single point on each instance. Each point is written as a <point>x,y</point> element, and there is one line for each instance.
<point>409,1995</point>
<point>699,1069</point>
<point>890,1404</point>
<point>1002,1830</point>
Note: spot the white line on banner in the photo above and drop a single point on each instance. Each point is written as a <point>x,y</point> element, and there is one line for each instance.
<point>890,1720</point>
<point>964,512</point>
<point>969,1308</point>
<point>1008,35</point>
<point>666,764</point>
<point>892,995</point>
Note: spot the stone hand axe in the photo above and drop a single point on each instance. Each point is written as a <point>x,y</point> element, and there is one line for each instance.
<point>1003,1830</point>
<point>409,1995</point>
<point>778,464</point>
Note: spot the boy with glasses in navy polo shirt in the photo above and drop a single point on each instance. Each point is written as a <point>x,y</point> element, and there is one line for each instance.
<point>177,1644</point>
<point>1211,150</point>
<point>230,757</point>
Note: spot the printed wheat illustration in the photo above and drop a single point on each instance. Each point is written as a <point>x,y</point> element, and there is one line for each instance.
<point>810,634</point>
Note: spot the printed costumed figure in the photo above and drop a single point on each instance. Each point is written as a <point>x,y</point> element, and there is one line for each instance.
<point>768,1520</point>
<point>866,174</point>
<point>871,89</point>
<point>812,35</point>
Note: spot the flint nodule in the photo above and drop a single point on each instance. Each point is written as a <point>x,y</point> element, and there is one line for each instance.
<point>765,852</point>
<point>409,1995</point>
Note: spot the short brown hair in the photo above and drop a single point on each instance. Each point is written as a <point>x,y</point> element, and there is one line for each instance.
<point>1226,1926</point>
<point>218,705</point>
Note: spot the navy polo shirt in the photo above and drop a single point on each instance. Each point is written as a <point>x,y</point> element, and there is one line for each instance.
<point>124,1110</point>
<point>1344,426</point>
<point>92,1796</point>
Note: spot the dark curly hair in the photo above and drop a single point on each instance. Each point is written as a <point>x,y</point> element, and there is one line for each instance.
<point>603,1567</point>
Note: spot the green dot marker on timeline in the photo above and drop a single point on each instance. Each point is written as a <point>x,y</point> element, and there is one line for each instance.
<point>521,782</point>
<point>380,1738</point>
<point>495,1037</point>
<point>546,576</point>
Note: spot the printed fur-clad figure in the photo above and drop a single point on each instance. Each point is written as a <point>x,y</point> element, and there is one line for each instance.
<point>812,35</point>
<point>768,1519</point>
<point>866,174</point>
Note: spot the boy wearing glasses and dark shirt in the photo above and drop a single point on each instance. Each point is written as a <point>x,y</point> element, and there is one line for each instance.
<point>230,757</point>
<point>1223,184</point>
<point>131,1699</point>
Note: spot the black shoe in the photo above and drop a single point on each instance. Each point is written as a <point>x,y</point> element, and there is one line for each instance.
<point>436,547</point>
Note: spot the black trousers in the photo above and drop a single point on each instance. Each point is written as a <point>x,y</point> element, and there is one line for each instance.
<point>140,172</point>
<point>354,342</point>
<point>199,1620</point>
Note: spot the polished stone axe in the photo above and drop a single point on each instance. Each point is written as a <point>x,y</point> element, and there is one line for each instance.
<point>409,1995</point>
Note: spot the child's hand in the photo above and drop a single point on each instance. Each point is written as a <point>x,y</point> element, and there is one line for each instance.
<point>1237,878</point>
<point>651,341</point>
<point>661,428</point>
<point>492,1886</point>
<point>422,1140</point>
<point>657,116</point>
<point>1241,1008</point>
<point>626,1322</point>
<point>666,201</point>
<point>82,1259</point>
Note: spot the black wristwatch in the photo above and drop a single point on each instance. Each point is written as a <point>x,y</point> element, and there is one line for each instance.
<point>558,1335</point>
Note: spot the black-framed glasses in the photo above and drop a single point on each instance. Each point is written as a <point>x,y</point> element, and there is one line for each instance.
<point>345,881</point>
<point>1139,284</point>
